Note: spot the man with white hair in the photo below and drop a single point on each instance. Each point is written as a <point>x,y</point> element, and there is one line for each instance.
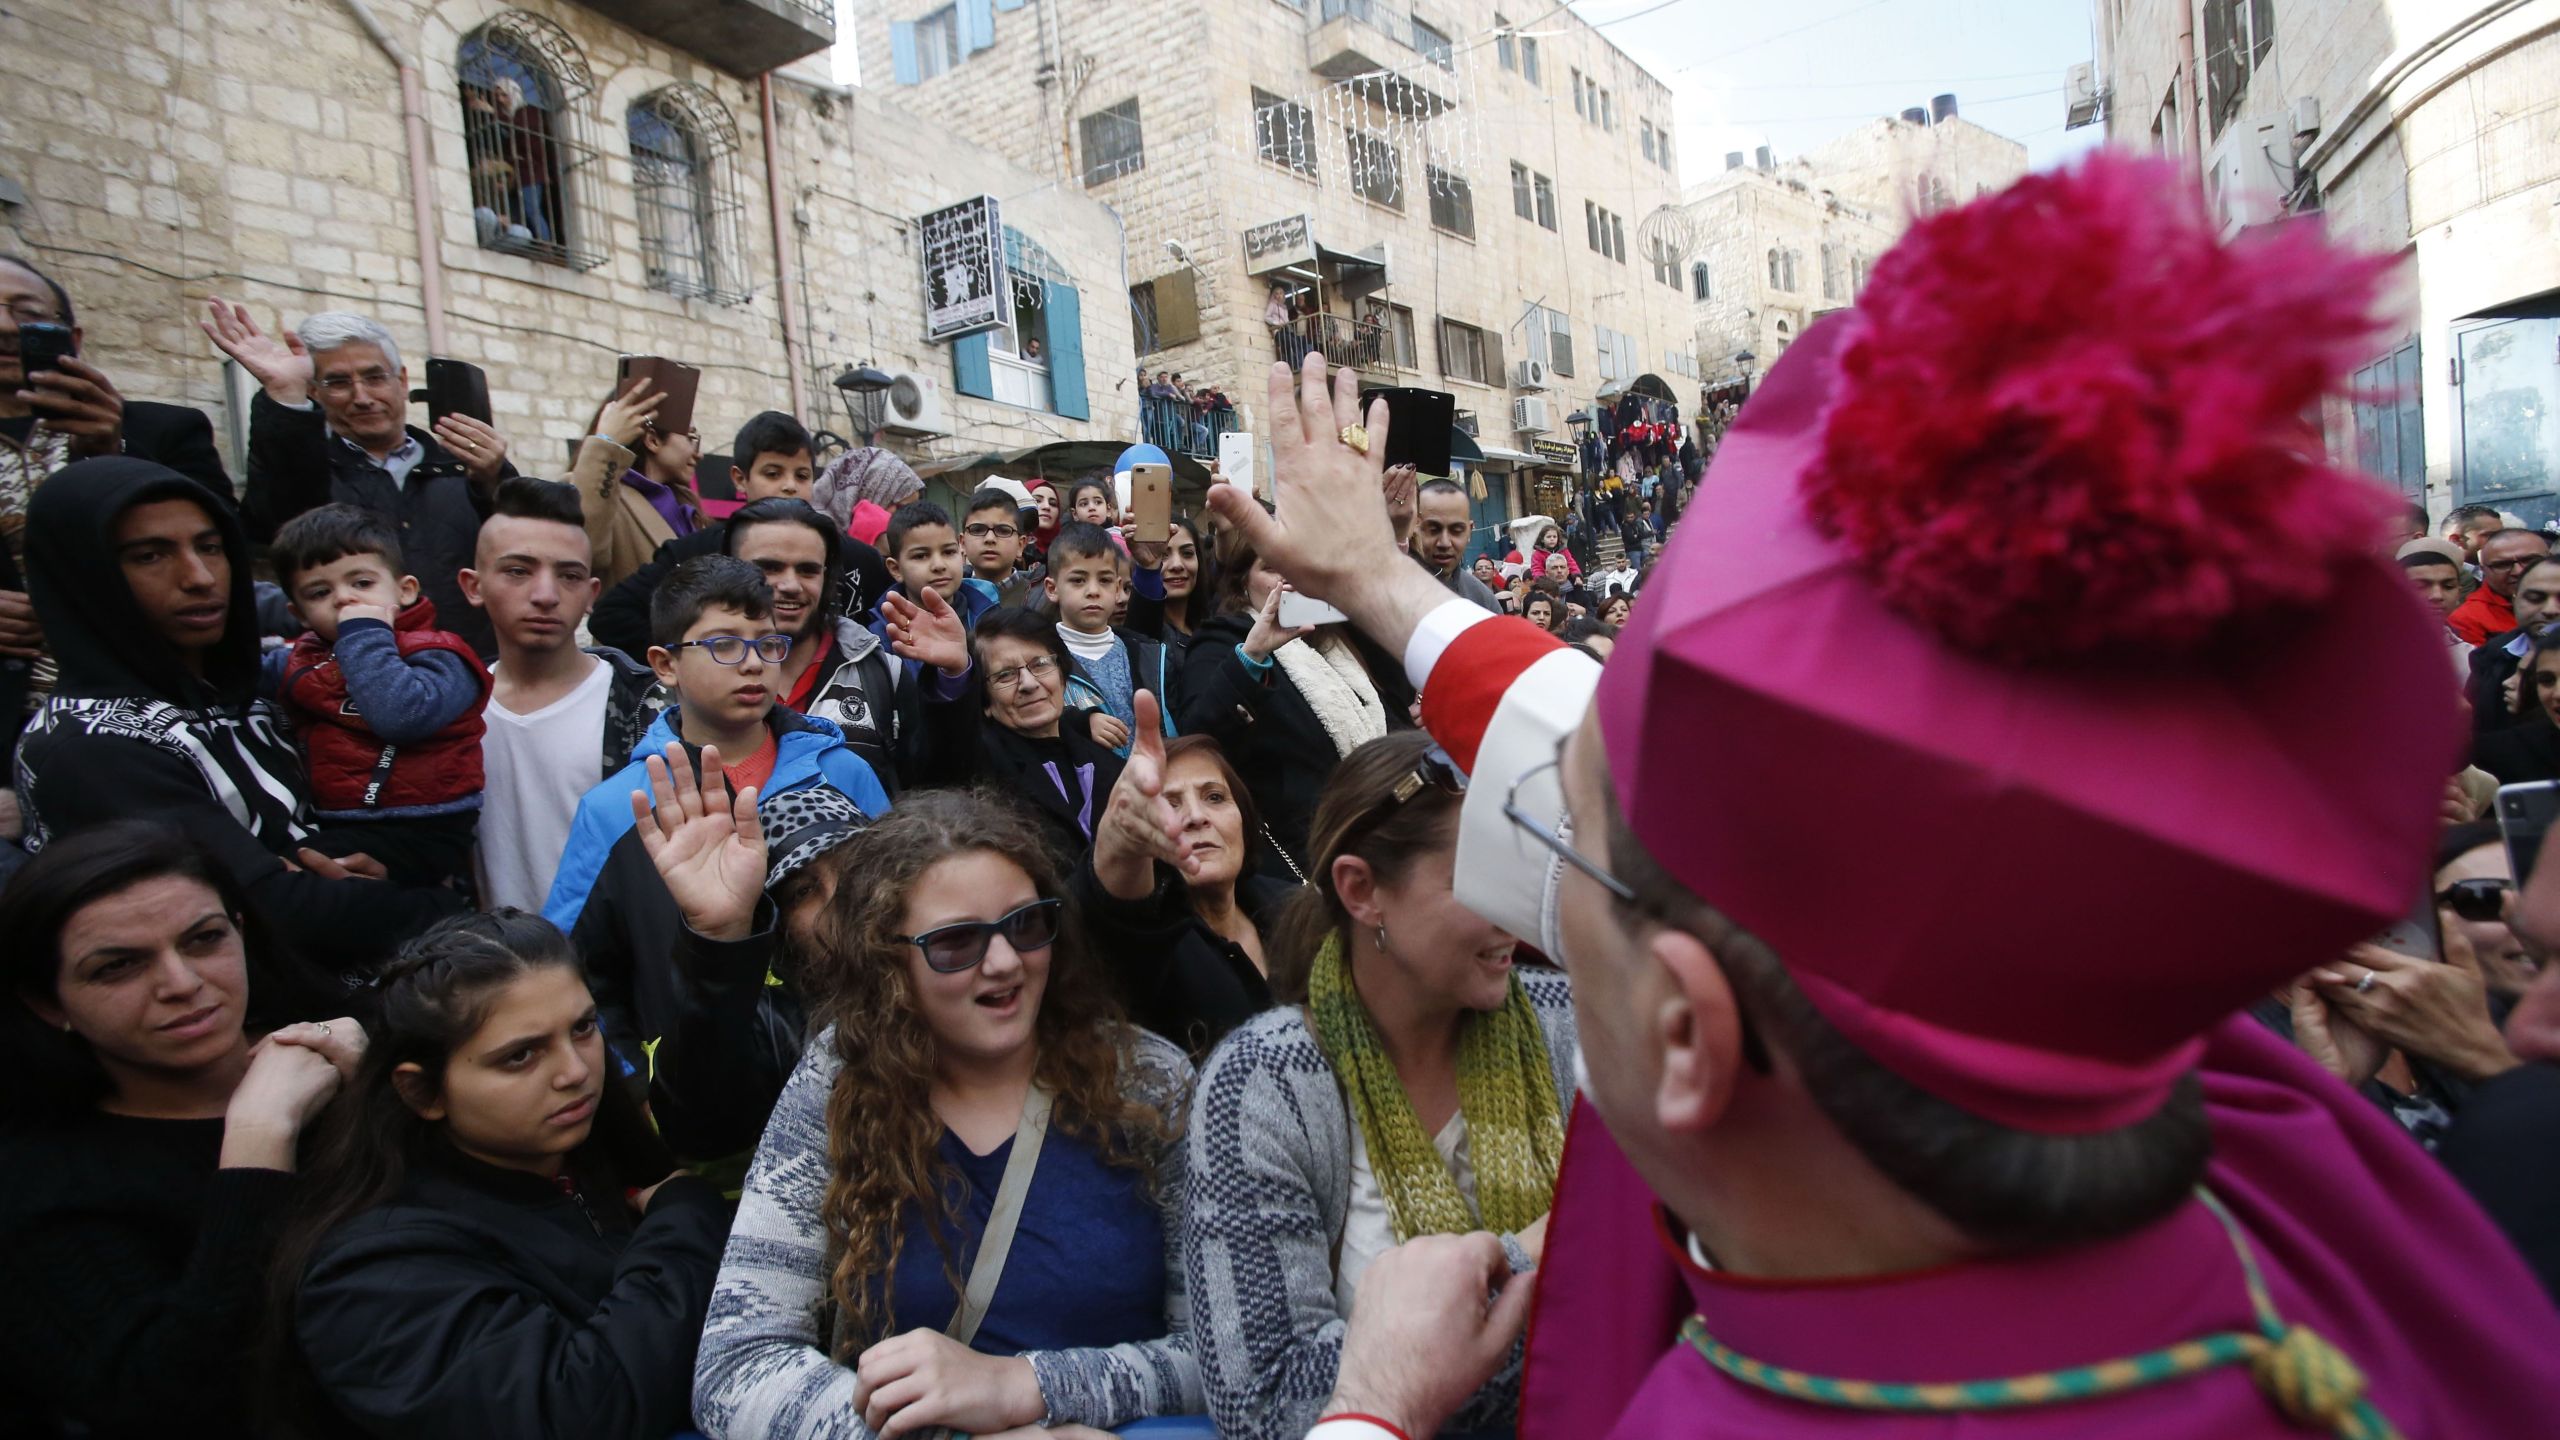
<point>330,424</point>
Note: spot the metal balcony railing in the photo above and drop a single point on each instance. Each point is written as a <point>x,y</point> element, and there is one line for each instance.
<point>1344,341</point>
<point>1182,427</point>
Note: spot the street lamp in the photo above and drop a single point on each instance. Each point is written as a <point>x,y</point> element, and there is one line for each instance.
<point>868,382</point>
<point>1744,360</point>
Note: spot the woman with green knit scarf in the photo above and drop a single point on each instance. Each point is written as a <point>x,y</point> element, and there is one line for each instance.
<point>1413,1082</point>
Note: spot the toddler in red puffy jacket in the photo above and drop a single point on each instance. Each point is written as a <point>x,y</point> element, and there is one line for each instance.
<point>387,707</point>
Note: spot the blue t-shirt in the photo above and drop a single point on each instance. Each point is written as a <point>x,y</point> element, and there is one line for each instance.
<point>1087,1265</point>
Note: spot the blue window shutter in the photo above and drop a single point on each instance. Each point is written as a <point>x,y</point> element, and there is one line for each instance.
<point>977,25</point>
<point>1065,313</point>
<point>970,373</point>
<point>902,50</point>
<point>1008,4</point>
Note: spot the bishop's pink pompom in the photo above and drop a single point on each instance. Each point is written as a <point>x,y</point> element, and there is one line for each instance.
<point>2070,420</point>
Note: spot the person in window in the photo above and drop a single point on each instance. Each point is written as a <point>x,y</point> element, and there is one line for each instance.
<point>490,1240</point>
<point>1032,355</point>
<point>526,129</point>
<point>1286,704</point>
<point>967,1037</point>
<point>1412,1082</point>
<point>141,580</point>
<point>156,1099</point>
<point>330,423</point>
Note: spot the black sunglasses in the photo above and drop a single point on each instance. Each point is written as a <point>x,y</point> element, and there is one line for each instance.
<point>950,949</point>
<point>2478,900</point>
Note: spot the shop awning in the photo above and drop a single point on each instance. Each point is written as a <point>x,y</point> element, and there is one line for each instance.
<point>1505,455</point>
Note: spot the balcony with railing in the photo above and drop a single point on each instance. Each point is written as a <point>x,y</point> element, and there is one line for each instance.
<point>1388,57</point>
<point>743,37</point>
<point>1364,344</point>
<point>1183,427</point>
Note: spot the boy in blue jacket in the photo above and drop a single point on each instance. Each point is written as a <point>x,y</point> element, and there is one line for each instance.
<point>715,649</point>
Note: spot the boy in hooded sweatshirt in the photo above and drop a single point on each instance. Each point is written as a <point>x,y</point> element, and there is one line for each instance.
<point>387,705</point>
<point>138,578</point>
<point>720,654</point>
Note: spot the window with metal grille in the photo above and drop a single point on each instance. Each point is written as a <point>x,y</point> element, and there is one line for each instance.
<point>684,148</point>
<point>534,171</point>
<point>1462,351</point>
<point>1284,133</point>
<point>1546,192</point>
<point>1434,46</point>
<point>1453,202</point>
<point>1377,170</point>
<point>1113,144</point>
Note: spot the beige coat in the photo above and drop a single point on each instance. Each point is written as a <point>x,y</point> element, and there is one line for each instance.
<point>623,529</point>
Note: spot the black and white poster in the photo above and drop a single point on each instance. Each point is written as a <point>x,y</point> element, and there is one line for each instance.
<point>964,275</point>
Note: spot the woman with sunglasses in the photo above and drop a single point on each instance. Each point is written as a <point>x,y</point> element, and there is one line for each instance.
<point>635,482</point>
<point>1413,1082</point>
<point>2473,882</point>
<point>972,1111</point>
<point>1034,747</point>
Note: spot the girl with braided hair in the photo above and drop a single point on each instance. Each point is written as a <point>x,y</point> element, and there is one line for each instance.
<point>966,1209</point>
<point>488,1240</point>
<point>1412,1082</point>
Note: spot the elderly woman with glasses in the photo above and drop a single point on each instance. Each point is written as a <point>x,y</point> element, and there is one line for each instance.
<point>1412,1082</point>
<point>1035,746</point>
<point>966,1211</point>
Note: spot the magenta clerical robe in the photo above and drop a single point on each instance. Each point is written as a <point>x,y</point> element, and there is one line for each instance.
<point>2360,1237</point>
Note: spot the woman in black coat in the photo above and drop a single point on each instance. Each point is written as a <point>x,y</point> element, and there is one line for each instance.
<point>1285,704</point>
<point>1170,895</point>
<point>152,1118</point>
<point>489,1241</point>
<point>2530,749</point>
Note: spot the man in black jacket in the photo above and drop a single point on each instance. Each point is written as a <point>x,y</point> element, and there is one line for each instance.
<point>330,423</point>
<point>137,577</point>
<point>74,413</point>
<point>2537,603</point>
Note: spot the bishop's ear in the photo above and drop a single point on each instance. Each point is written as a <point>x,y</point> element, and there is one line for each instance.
<point>1698,1025</point>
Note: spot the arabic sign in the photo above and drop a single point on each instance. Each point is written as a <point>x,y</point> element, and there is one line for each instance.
<point>964,276</point>
<point>1555,452</point>
<point>1279,244</point>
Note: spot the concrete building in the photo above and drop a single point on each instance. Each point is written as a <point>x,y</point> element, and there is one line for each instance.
<point>594,180</point>
<point>1781,243</point>
<point>1465,194</point>
<point>2425,127</point>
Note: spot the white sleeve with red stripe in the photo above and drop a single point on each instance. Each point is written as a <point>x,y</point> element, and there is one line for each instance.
<point>1500,694</point>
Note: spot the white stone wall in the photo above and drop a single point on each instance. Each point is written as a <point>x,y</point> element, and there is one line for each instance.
<point>2436,138</point>
<point>255,150</point>
<point>1193,67</point>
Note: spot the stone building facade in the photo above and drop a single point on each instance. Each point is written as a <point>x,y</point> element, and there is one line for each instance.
<point>256,150</point>
<point>1782,243</point>
<point>2429,128</point>
<point>1443,191</point>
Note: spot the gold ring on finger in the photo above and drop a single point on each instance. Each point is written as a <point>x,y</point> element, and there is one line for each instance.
<point>1356,437</point>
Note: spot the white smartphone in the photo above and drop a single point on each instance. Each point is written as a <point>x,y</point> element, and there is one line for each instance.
<point>1297,611</point>
<point>1235,459</point>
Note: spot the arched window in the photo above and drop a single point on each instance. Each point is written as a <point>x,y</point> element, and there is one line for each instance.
<point>1777,268</point>
<point>1698,286</point>
<point>533,170</point>
<point>683,150</point>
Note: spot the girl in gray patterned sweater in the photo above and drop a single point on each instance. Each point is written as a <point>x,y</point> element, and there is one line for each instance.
<point>955,1000</point>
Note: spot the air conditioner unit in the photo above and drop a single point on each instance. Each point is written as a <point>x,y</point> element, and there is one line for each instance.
<point>912,405</point>
<point>1529,412</point>
<point>1529,375</point>
<point>2080,96</point>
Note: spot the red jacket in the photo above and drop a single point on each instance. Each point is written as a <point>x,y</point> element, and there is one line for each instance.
<point>354,769</point>
<point>2485,614</point>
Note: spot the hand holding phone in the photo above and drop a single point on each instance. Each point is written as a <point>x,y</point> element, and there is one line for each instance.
<point>1299,612</point>
<point>1151,503</point>
<point>1418,426</point>
<point>42,346</point>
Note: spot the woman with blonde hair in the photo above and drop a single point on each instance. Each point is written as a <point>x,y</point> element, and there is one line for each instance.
<point>1413,1082</point>
<point>971,1107</point>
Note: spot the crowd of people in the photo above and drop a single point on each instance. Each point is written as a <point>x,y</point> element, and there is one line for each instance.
<point>502,956</point>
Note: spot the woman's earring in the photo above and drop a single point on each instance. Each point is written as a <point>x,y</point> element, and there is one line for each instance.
<point>1382,941</point>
